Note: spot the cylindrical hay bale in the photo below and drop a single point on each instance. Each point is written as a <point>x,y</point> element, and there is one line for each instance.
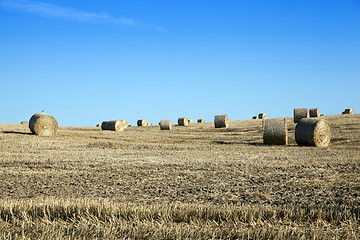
<point>43,124</point>
<point>148,124</point>
<point>300,113</point>
<point>275,131</point>
<point>313,132</point>
<point>201,120</point>
<point>142,122</point>
<point>98,125</point>
<point>183,121</point>
<point>165,125</point>
<point>348,111</point>
<point>314,112</point>
<point>262,116</point>
<point>255,117</point>
<point>221,121</point>
<point>24,123</point>
<point>114,125</point>
<point>190,121</point>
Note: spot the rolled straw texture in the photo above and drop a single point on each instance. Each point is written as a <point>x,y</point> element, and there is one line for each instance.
<point>314,112</point>
<point>114,125</point>
<point>348,111</point>
<point>221,121</point>
<point>313,132</point>
<point>201,120</point>
<point>300,113</point>
<point>142,122</point>
<point>183,121</point>
<point>275,131</point>
<point>165,125</point>
<point>43,124</point>
<point>262,116</point>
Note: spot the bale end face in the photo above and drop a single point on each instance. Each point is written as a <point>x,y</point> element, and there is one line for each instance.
<point>183,121</point>
<point>43,124</point>
<point>313,132</point>
<point>201,120</point>
<point>348,111</point>
<point>142,122</point>
<point>114,125</point>
<point>262,116</point>
<point>275,132</point>
<point>221,121</point>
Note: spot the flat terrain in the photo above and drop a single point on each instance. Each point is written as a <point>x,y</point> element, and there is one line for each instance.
<point>191,182</point>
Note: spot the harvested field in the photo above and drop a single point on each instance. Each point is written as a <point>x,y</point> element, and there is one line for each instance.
<point>194,182</point>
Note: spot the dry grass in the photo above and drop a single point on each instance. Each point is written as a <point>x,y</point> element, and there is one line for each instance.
<point>195,182</point>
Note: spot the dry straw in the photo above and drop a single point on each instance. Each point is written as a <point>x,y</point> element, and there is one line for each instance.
<point>183,121</point>
<point>275,132</point>
<point>190,121</point>
<point>43,124</point>
<point>221,121</point>
<point>114,125</point>
<point>142,122</point>
<point>348,111</point>
<point>300,113</point>
<point>262,116</point>
<point>314,112</point>
<point>313,132</point>
<point>201,120</point>
<point>165,125</point>
<point>24,123</point>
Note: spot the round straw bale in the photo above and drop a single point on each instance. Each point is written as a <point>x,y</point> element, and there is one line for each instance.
<point>190,121</point>
<point>24,123</point>
<point>300,113</point>
<point>183,121</point>
<point>43,124</point>
<point>348,111</point>
<point>114,125</point>
<point>142,122</point>
<point>314,112</point>
<point>165,125</point>
<point>148,124</point>
<point>255,117</point>
<point>275,131</point>
<point>201,120</point>
<point>221,121</point>
<point>98,125</point>
<point>262,116</point>
<point>313,132</point>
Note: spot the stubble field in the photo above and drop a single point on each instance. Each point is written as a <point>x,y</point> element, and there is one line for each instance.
<point>191,182</point>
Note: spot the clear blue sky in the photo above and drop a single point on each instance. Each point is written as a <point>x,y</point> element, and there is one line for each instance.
<point>86,61</point>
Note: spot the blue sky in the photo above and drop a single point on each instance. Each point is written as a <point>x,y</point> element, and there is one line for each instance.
<point>88,61</point>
